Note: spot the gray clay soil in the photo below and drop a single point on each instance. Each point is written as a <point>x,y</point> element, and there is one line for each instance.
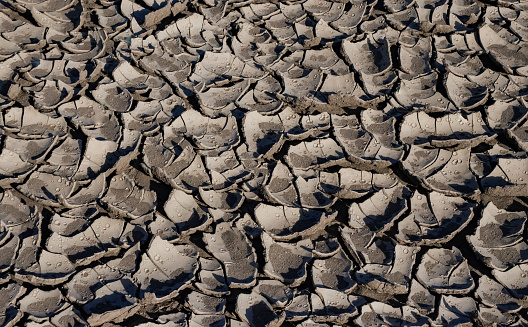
<point>257,163</point>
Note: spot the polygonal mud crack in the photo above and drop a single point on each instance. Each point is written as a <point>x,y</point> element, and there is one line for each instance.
<point>256,163</point>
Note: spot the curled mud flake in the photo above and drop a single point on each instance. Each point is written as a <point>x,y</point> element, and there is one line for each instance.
<point>359,145</point>
<point>335,12</point>
<point>228,201</point>
<point>50,94</point>
<point>469,66</point>
<point>83,285</point>
<point>265,89</point>
<point>443,171</point>
<point>205,304</point>
<point>99,155</point>
<point>146,112</point>
<point>332,306</point>
<point>415,60</point>
<point>509,175</point>
<point>381,210</point>
<point>423,162</point>
<point>84,46</point>
<point>520,134</point>
<point>216,69</point>
<point>50,269</point>
<point>211,278</point>
<point>10,312</point>
<point>498,239</point>
<point>280,28</point>
<point>249,226</point>
<point>42,304</point>
<point>495,295</point>
<point>310,194</point>
<point>456,311</point>
<point>451,131</point>
<point>375,313</point>
<point>326,33</point>
<point>493,316</point>
<point>299,307</point>
<point>81,248</point>
<point>191,29</point>
<point>109,231</point>
<point>259,101</point>
<point>125,198</point>
<point>64,159</point>
<point>16,214</point>
<point>464,93</point>
<point>127,76</point>
<point>230,246</point>
<point>281,188</point>
<point>264,134</point>
<point>292,11</point>
<point>86,194</point>
<point>113,97</point>
<point>385,266</point>
<point>46,188</point>
<point>30,151</point>
<point>392,274</point>
<point>315,154</point>
<point>226,170</point>
<point>320,59</point>
<point>115,301</point>
<point>86,212</point>
<point>300,83</point>
<point>370,56</point>
<point>382,127</point>
<point>287,262</point>
<point>254,309</point>
<point>80,289</point>
<point>317,7</point>
<point>70,316</point>
<point>334,273</point>
<point>208,320</point>
<point>8,253</point>
<point>325,248</point>
<point>317,124</point>
<point>509,55</point>
<point>420,298</point>
<point>36,125</point>
<point>434,218</point>
<point>167,162</point>
<point>445,272</point>
<point>207,133</point>
<point>183,210</point>
<point>353,183</point>
<point>421,92</point>
<point>286,223</point>
<point>164,228</point>
<point>514,280</point>
<point>165,269</point>
<point>277,294</point>
<point>217,99</point>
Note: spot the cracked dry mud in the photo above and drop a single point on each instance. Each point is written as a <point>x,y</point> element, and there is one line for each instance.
<point>307,163</point>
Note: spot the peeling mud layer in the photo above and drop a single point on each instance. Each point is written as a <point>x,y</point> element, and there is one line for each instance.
<point>308,163</point>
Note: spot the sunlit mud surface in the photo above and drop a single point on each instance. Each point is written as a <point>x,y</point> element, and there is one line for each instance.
<point>234,163</point>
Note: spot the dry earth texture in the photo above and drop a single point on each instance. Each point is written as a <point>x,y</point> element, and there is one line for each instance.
<point>235,163</point>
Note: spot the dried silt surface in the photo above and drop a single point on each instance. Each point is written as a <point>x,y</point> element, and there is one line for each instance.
<point>235,163</point>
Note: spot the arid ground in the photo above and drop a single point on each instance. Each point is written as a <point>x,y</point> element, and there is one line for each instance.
<point>307,163</point>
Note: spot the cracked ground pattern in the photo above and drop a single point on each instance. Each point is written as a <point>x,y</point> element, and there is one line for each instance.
<point>308,163</point>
